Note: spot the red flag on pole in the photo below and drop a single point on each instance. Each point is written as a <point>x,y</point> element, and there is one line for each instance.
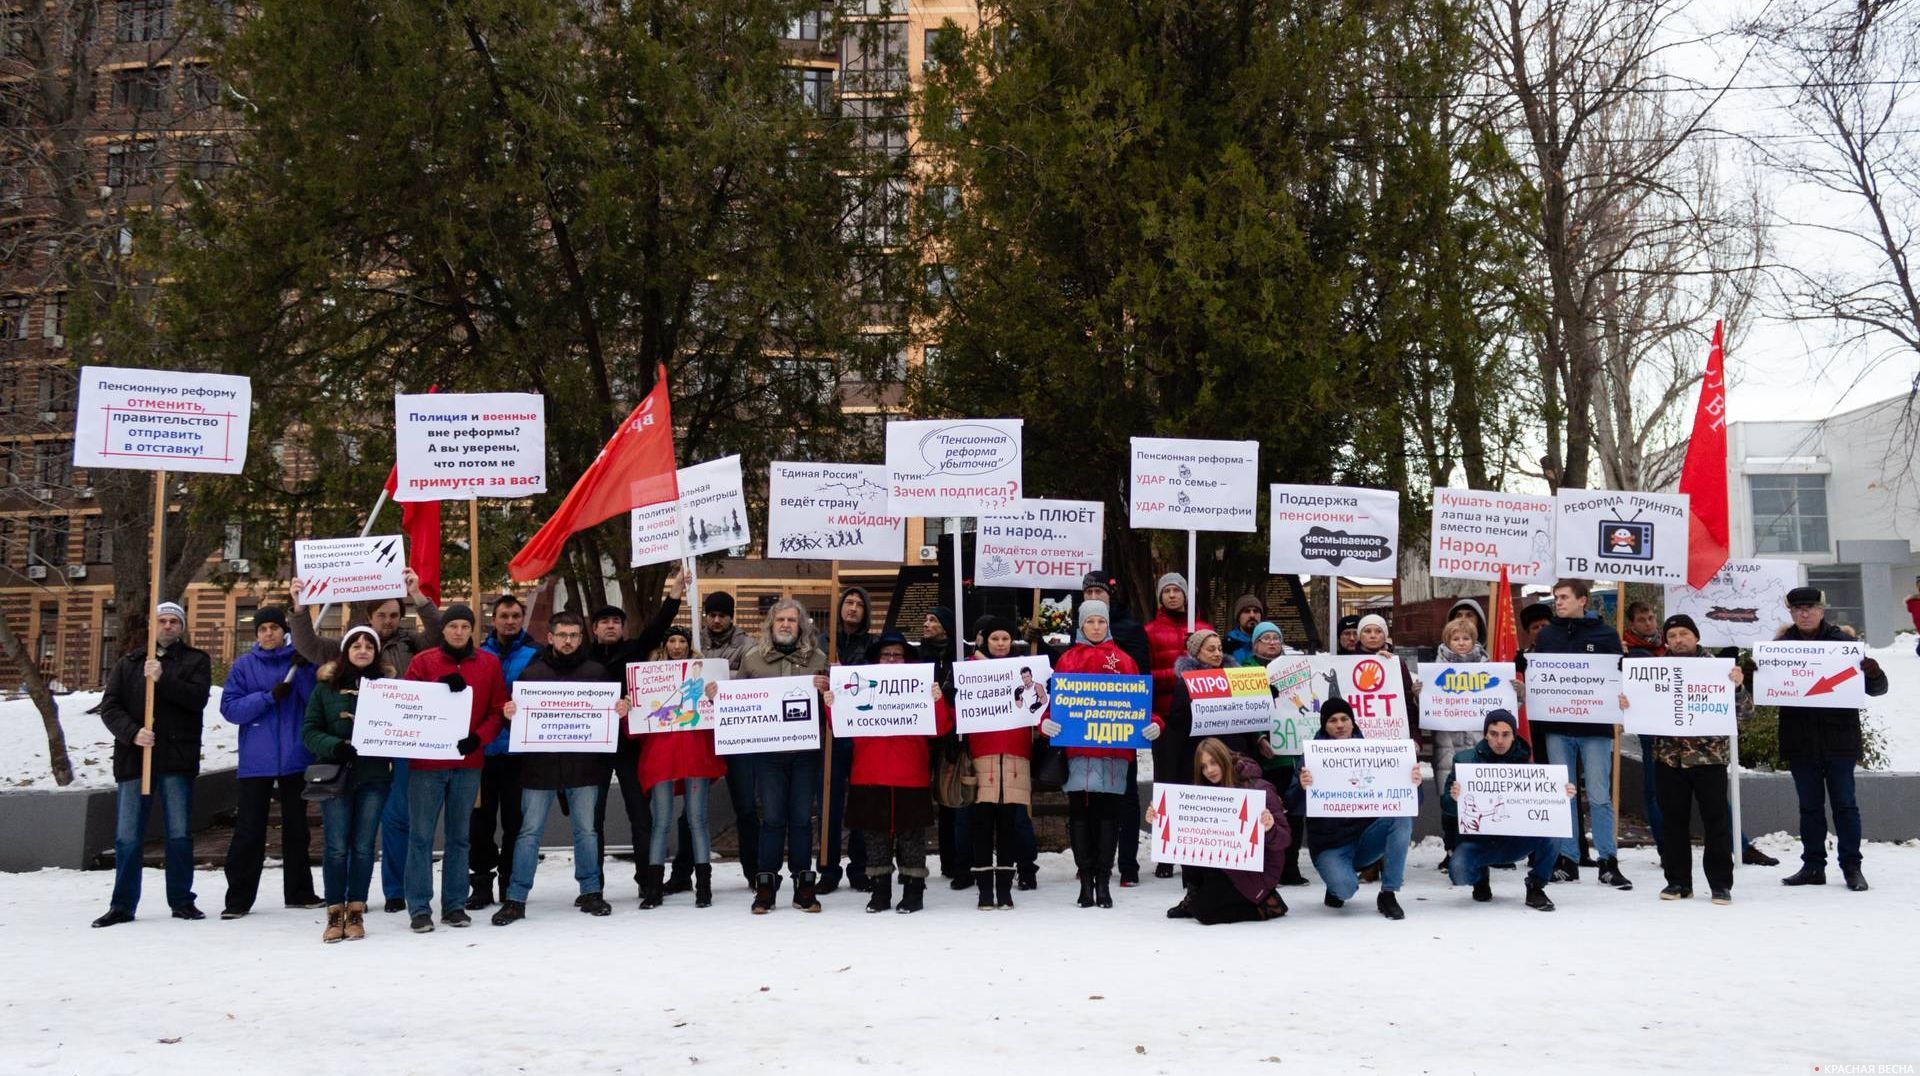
<point>1503,639</point>
<point>634,470</point>
<point>1703,477</point>
<point>420,520</point>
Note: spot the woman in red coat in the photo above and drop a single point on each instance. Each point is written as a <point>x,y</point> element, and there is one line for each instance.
<point>1166,645</point>
<point>685,759</point>
<point>1003,780</point>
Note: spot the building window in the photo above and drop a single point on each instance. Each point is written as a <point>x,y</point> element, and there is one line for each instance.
<point>1789,513</point>
<point>13,33</point>
<point>140,90</point>
<point>879,213</point>
<point>130,164</point>
<point>13,317</point>
<point>939,280</point>
<point>47,540</point>
<point>1846,599</point>
<point>208,158</point>
<point>930,359</point>
<point>199,87</point>
<point>929,48</point>
<point>53,316</point>
<point>97,541</point>
<point>52,466</point>
<point>880,123</point>
<point>942,202</point>
<point>873,57</point>
<point>805,27</point>
<point>815,85</point>
<point>877,284</point>
<point>141,20</point>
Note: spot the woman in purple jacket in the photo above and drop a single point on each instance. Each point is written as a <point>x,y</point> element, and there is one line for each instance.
<point>1225,896</point>
<point>266,695</point>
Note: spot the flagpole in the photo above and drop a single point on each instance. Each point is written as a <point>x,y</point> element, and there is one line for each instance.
<point>1733,783</point>
<point>826,742</point>
<point>959,593</point>
<point>692,565</point>
<point>473,549</point>
<point>1193,584</point>
<point>321,619</point>
<point>155,585</point>
<point>1333,614</point>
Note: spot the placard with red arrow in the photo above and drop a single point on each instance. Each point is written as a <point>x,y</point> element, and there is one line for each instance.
<point>1817,674</point>
<point>1204,826</point>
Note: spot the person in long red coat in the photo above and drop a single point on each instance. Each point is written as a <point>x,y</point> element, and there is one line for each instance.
<point>1166,644</point>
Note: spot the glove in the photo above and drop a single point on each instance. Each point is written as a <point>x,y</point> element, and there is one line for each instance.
<point>1869,666</point>
<point>468,744</point>
<point>455,681</point>
<point>1151,732</point>
<point>1049,727</point>
<point>346,752</point>
<point>281,690</point>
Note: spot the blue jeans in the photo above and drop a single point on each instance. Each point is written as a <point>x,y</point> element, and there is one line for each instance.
<point>534,805</point>
<point>1591,758</point>
<point>430,793</point>
<point>1818,780</point>
<point>787,784</point>
<point>393,835</point>
<point>1473,855</point>
<point>130,833</point>
<point>350,822</point>
<point>696,816</point>
<point>1384,841</point>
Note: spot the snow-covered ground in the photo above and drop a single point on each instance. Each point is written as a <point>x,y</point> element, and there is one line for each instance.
<point>23,743</point>
<point>1779,982</point>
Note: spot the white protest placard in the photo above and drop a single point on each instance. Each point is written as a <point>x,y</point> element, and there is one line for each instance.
<point>1329,530</point>
<point>1296,710</point>
<point>996,694</point>
<point>1743,604</point>
<point>1456,696</point>
<point>1362,778</point>
<point>673,696</point>
<point>713,506</point>
<point>1578,688</point>
<point>411,719</point>
<point>1373,684</point>
<point>953,467</point>
<point>350,569</point>
<point>831,511</point>
<point>1826,675</point>
<point>1677,696</point>
<point>162,420</point>
<point>450,446</point>
<point>554,716</point>
<point>1180,484</point>
<point>776,713</point>
<point>654,535</point>
<point>883,700</point>
<point>1477,532</point>
<point>1229,700</point>
<point>1621,534</point>
<point>1045,545</point>
<point>1513,800</point>
<point>1205,826</point>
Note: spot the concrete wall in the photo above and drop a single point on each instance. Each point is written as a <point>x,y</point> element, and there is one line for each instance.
<point>74,829</point>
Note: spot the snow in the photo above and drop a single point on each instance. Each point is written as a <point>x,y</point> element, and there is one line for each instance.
<point>1612,982</point>
<point>23,743</point>
<point>1897,713</point>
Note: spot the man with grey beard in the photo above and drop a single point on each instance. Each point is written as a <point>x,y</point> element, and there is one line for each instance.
<point>785,783</point>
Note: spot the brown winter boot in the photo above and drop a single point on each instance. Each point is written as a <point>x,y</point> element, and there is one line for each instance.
<point>336,923</point>
<point>356,920</point>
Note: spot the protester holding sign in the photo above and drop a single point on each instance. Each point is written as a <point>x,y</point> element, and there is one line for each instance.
<point>1167,637</point>
<point>398,645</point>
<point>1098,795</point>
<point>1459,643</point>
<point>1279,752</point>
<point>999,825</point>
<point>546,775</point>
<point>351,820</point>
<point>182,680</point>
<point>683,759</point>
<point>266,695</point>
<point>435,787</point>
<point>853,629</point>
<point>889,798</point>
<point>1215,895</point>
<point>1585,750</point>
<point>785,783</point>
<point>1822,747</point>
<point>1500,742</point>
<point>1342,846</point>
<point>496,815</point>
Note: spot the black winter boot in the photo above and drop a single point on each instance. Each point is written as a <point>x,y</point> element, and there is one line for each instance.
<point>1537,896</point>
<point>1856,881</point>
<point>912,894</point>
<point>1102,896</point>
<point>962,880</point>
<point>984,879</point>
<point>703,885</point>
<point>803,891</point>
<point>678,881</point>
<point>1610,874</point>
<point>1807,875</point>
<point>1003,888</point>
<point>1754,857</point>
<point>765,888</point>
<point>1029,877</point>
<point>1085,900</point>
<point>511,911</point>
<point>882,889</point>
<point>652,893</point>
<point>593,904</point>
<point>1483,890</point>
<point>1389,906</point>
<point>482,894</point>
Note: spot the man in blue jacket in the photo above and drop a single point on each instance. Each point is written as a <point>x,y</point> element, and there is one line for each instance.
<point>266,695</point>
<point>496,818</point>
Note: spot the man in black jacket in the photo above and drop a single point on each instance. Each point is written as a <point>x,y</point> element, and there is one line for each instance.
<point>1822,747</point>
<point>1583,749</point>
<point>182,679</point>
<point>547,775</point>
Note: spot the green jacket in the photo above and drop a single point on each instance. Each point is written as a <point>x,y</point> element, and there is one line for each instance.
<point>329,726</point>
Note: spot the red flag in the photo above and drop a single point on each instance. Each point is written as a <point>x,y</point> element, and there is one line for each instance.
<point>1503,639</point>
<point>420,520</point>
<point>634,470</point>
<point>1703,477</point>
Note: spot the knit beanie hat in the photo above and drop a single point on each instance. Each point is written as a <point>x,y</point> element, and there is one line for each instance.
<point>457,611</point>
<point>1199,639</point>
<point>1171,579</point>
<point>1679,620</point>
<point>1263,628</point>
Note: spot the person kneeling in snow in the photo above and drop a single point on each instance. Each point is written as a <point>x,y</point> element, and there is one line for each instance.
<point>1342,847</point>
<point>1225,896</point>
<point>890,797</point>
<point>1499,742</point>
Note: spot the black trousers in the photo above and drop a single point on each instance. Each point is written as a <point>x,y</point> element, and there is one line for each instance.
<point>1679,789</point>
<point>248,852</point>
<point>991,828</point>
<point>498,809</point>
<point>639,808</point>
<point>1213,900</point>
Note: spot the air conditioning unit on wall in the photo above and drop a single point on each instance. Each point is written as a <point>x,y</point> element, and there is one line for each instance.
<point>929,552</point>
<point>240,567</point>
<point>76,571</point>
<point>36,571</point>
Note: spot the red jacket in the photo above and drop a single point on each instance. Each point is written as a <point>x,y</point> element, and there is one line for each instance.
<point>676,756</point>
<point>1913,610</point>
<point>898,761</point>
<point>1005,742</point>
<point>1102,657</point>
<point>486,687</point>
<point>1166,644</point>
